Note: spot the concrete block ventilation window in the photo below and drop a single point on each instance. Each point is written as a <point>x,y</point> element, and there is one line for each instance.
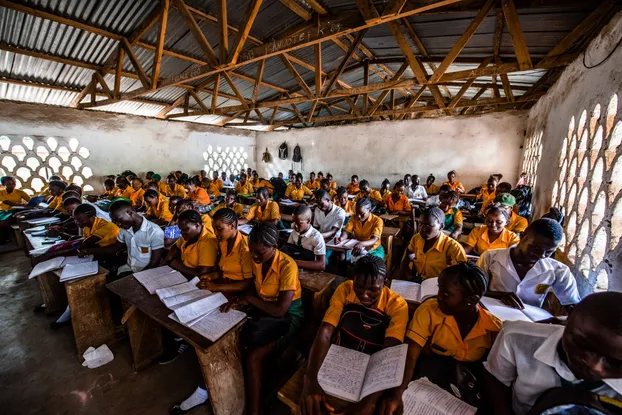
<point>33,159</point>
<point>228,159</point>
<point>589,189</point>
<point>531,157</point>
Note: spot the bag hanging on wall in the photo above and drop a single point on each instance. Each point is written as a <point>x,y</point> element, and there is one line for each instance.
<point>267,158</point>
<point>297,158</point>
<point>283,151</point>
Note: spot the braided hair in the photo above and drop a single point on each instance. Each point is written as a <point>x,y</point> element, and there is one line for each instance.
<point>85,209</point>
<point>151,194</point>
<point>370,266</point>
<point>190,216</point>
<point>341,191</point>
<point>435,213</point>
<point>264,233</point>
<point>71,201</point>
<point>227,216</point>
<point>469,277</point>
<point>364,203</point>
<point>263,191</point>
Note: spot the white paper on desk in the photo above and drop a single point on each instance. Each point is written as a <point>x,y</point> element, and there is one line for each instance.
<point>43,221</point>
<point>345,244</point>
<point>388,216</point>
<point>35,229</point>
<point>245,229</point>
<point>97,357</point>
<point>181,300</point>
<point>71,272</point>
<point>161,277</point>
<point>408,290</point>
<point>73,260</point>
<point>200,307</point>
<point>185,287</point>
<point>288,202</point>
<point>215,324</point>
<point>506,313</point>
<point>46,266</point>
<point>425,398</point>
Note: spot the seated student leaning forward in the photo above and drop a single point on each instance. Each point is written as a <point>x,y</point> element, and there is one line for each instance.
<point>97,232</point>
<point>516,223</point>
<point>525,273</point>
<point>264,209</point>
<point>230,202</point>
<point>157,207</point>
<point>364,298</point>
<point>583,359</point>
<point>328,218</point>
<point>456,331</point>
<point>304,236</point>
<point>430,251</point>
<point>453,215</point>
<point>366,228</point>
<point>493,235</point>
<point>276,312</point>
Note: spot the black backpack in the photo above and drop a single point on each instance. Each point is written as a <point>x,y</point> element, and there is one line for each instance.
<point>361,328</point>
<point>279,188</point>
<point>523,200</point>
<point>283,151</point>
<point>297,158</point>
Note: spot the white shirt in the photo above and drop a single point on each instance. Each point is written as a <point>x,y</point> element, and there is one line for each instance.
<point>325,222</point>
<point>408,191</point>
<point>524,357</point>
<point>98,211</point>
<point>433,201</point>
<point>547,273</point>
<point>140,244</point>
<point>419,193</point>
<point>227,182</point>
<point>311,240</point>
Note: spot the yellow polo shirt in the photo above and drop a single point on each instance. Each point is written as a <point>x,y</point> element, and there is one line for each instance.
<point>163,187</point>
<point>312,185</point>
<point>389,303</point>
<point>444,253</point>
<point>402,204</point>
<point>282,276</point>
<point>127,193</point>
<point>270,212</point>
<point>207,224</point>
<point>478,239</point>
<point>16,196</point>
<point>294,193</point>
<point>57,205</point>
<point>431,326</point>
<point>214,188</point>
<point>333,185</point>
<point>237,208</point>
<point>161,211</point>
<point>373,194</point>
<point>218,183</point>
<point>112,194</point>
<point>431,189</point>
<point>349,208</point>
<point>517,223</point>
<point>484,194</point>
<point>200,196</point>
<point>137,197</point>
<point>203,253</point>
<point>246,189</point>
<point>365,231</point>
<point>106,231</point>
<point>455,186</point>
<point>178,190</point>
<point>353,189</point>
<point>236,264</point>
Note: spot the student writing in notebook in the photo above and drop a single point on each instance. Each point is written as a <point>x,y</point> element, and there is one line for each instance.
<point>366,228</point>
<point>364,298</point>
<point>454,330</point>
<point>157,207</point>
<point>306,237</point>
<point>196,252</point>
<point>230,202</point>
<point>97,233</point>
<point>526,272</point>
<point>366,191</point>
<point>263,209</point>
<point>493,235</point>
<point>430,251</point>
<point>187,204</point>
<point>196,193</point>
<point>329,218</point>
<point>584,359</point>
<point>276,312</point>
<point>297,191</point>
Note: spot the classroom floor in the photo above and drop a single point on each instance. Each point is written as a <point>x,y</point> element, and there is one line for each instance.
<point>40,372</point>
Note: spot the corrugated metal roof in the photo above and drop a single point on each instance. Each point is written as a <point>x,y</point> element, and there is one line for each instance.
<point>543,26</point>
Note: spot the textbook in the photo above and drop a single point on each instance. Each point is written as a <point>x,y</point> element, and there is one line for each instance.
<point>346,244</point>
<point>175,290</point>
<point>57,263</point>
<point>388,216</point>
<point>415,292</point>
<point>155,278</point>
<point>350,375</point>
<point>506,313</point>
<point>215,324</point>
<point>245,229</point>
<point>424,397</point>
<point>198,307</point>
<point>80,270</point>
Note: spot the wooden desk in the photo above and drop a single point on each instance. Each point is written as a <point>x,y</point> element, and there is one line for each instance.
<point>247,200</point>
<point>221,362</point>
<point>290,393</point>
<point>320,284</point>
<point>388,234</point>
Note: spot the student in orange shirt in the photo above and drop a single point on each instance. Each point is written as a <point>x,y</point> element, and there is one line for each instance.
<point>430,187</point>
<point>455,185</point>
<point>124,189</point>
<point>353,187</point>
<point>397,203</point>
<point>318,180</point>
<point>342,200</point>
<point>385,188</point>
<point>217,181</point>
<point>325,185</point>
<point>488,190</point>
<point>137,196</point>
<point>493,235</point>
<point>196,193</point>
<point>172,188</point>
<point>311,184</point>
<point>333,184</point>
<point>110,190</point>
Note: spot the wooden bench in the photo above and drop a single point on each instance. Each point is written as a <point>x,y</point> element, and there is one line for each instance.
<point>290,393</point>
<point>388,234</point>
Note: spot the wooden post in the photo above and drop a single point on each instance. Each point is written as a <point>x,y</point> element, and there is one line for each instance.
<point>145,338</point>
<point>52,292</point>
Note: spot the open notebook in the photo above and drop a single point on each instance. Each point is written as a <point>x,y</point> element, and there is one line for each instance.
<point>424,397</point>
<point>351,375</point>
<point>506,313</point>
<point>79,270</point>
<point>57,263</point>
<point>155,278</point>
<point>346,244</point>
<point>415,292</point>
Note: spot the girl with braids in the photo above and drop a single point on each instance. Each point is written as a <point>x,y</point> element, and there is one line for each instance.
<point>430,251</point>
<point>453,329</point>
<point>264,209</point>
<point>276,311</point>
<point>157,207</point>
<point>343,202</point>
<point>366,228</point>
<point>196,252</point>
<point>231,202</point>
<point>355,303</point>
<point>187,204</point>
<point>493,235</point>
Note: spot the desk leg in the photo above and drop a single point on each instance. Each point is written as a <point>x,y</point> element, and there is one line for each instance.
<point>91,317</point>
<point>145,338</point>
<point>221,365</point>
<point>19,236</point>
<point>52,292</point>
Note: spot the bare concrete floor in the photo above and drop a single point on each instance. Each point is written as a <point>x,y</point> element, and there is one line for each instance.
<point>40,372</point>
